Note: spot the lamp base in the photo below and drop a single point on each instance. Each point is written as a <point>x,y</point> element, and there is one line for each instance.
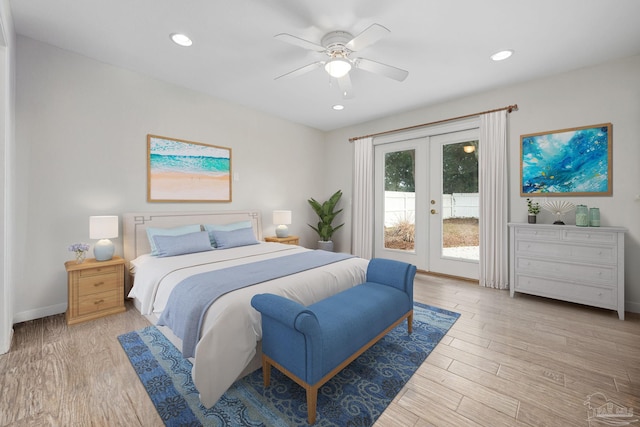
<point>282,231</point>
<point>103,250</point>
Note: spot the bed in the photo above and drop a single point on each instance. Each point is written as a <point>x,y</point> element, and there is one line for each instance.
<point>228,346</point>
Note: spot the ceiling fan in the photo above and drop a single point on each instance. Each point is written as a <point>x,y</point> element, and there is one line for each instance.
<point>338,46</point>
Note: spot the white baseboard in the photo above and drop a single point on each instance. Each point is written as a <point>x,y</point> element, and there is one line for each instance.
<point>38,313</point>
<point>632,307</point>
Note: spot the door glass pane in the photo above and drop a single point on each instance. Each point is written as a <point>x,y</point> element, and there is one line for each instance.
<point>460,201</point>
<point>399,200</point>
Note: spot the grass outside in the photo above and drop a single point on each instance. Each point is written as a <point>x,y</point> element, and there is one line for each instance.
<point>456,232</point>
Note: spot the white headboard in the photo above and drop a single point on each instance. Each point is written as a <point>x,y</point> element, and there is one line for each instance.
<point>135,225</point>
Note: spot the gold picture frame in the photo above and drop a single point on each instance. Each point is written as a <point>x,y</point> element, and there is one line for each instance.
<point>567,162</point>
<point>187,171</point>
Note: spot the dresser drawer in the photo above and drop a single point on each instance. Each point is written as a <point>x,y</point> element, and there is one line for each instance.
<point>567,291</point>
<point>602,275</point>
<point>98,283</point>
<point>97,302</point>
<point>538,233</point>
<point>567,251</point>
<point>588,235</point>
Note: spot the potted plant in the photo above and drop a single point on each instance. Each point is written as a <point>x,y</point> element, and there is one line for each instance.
<point>326,214</point>
<point>534,209</point>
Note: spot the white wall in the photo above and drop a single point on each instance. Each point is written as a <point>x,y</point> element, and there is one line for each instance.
<point>7,175</point>
<point>81,129</point>
<point>81,132</point>
<point>606,93</point>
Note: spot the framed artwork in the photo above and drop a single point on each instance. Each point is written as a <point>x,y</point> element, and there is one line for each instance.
<point>567,162</point>
<point>185,171</point>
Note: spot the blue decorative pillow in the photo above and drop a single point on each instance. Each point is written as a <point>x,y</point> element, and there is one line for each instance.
<point>225,227</point>
<point>234,238</point>
<point>151,232</point>
<point>182,244</point>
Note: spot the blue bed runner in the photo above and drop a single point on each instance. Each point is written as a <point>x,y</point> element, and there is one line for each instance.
<point>191,298</point>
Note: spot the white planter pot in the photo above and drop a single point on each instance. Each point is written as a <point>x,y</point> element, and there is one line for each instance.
<point>325,246</point>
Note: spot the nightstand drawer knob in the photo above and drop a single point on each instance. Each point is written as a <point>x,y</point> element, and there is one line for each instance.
<point>100,301</point>
<point>98,284</point>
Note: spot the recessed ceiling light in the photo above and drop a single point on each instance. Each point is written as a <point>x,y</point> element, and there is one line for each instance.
<point>181,39</point>
<point>502,55</point>
<point>338,107</point>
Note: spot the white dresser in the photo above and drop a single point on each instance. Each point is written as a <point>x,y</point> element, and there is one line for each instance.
<point>584,265</point>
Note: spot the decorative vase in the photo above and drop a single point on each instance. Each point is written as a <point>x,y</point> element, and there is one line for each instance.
<point>582,216</point>
<point>80,256</point>
<point>325,246</point>
<point>594,217</point>
<point>532,219</point>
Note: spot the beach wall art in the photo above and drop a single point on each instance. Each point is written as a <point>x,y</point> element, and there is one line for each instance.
<point>185,171</point>
<point>567,162</point>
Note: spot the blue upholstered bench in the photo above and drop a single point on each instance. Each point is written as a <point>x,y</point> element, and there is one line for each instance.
<point>312,344</point>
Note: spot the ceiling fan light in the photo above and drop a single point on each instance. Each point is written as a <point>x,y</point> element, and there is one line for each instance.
<point>181,39</point>
<point>502,55</point>
<point>337,67</point>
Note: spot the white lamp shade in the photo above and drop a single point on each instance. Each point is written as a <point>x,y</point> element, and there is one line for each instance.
<point>282,217</point>
<point>103,227</point>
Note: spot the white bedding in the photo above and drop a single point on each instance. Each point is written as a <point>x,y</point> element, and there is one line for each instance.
<point>231,327</point>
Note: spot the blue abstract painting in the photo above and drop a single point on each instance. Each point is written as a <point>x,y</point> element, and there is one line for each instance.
<point>568,162</point>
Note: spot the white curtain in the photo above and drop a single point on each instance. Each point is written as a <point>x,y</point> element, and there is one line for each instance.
<point>492,162</point>
<point>363,214</point>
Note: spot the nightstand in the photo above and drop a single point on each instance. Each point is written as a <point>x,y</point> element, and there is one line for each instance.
<point>291,240</point>
<point>96,289</point>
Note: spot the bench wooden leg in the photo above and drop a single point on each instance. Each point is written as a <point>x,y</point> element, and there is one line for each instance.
<point>410,322</point>
<point>266,371</point>
<point>312,399</point>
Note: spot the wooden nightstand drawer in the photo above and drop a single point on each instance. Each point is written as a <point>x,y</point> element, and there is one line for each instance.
<point>97,302</point>
<point>95,283</point>
<point>98,271</point>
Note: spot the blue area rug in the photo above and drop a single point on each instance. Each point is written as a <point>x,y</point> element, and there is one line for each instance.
<point>355,397</point>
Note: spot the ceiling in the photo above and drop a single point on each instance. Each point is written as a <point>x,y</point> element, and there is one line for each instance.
<point>445,46</point>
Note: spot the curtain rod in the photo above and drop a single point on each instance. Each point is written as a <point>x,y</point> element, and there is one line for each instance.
<point>509,109</point>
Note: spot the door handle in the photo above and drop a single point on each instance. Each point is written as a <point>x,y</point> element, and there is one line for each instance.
<point>433,212</point>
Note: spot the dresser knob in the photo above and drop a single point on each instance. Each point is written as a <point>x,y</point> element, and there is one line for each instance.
<point>98,284</point>
<point>99,302</point>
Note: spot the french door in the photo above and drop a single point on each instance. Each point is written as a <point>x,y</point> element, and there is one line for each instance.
<point>426,202</point>
<point>454,210</point>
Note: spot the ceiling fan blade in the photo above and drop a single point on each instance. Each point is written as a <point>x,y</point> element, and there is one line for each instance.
<point>300,71</point>
<point>344,83</point>
<point>297,41</point>
<point>368,37</point>
<point>382,69</point>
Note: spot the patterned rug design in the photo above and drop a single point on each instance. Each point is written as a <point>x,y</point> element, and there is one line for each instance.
<point>355,397</point>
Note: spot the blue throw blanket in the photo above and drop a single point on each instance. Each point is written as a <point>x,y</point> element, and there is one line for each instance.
<point>191,298</point>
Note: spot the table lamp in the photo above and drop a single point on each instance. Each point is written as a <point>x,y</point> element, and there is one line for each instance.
<point>282,219</point>
<point>103,228</point>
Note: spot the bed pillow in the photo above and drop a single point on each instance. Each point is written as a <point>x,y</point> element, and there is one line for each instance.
<point>234,238</point>
<point>182,244</point>
<point>225,227</point>
<point>176,231</point>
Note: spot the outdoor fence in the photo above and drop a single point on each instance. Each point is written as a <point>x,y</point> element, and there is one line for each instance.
<point>401,206</point>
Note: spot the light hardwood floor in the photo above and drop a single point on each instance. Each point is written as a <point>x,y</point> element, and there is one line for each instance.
<point>525,361</point>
